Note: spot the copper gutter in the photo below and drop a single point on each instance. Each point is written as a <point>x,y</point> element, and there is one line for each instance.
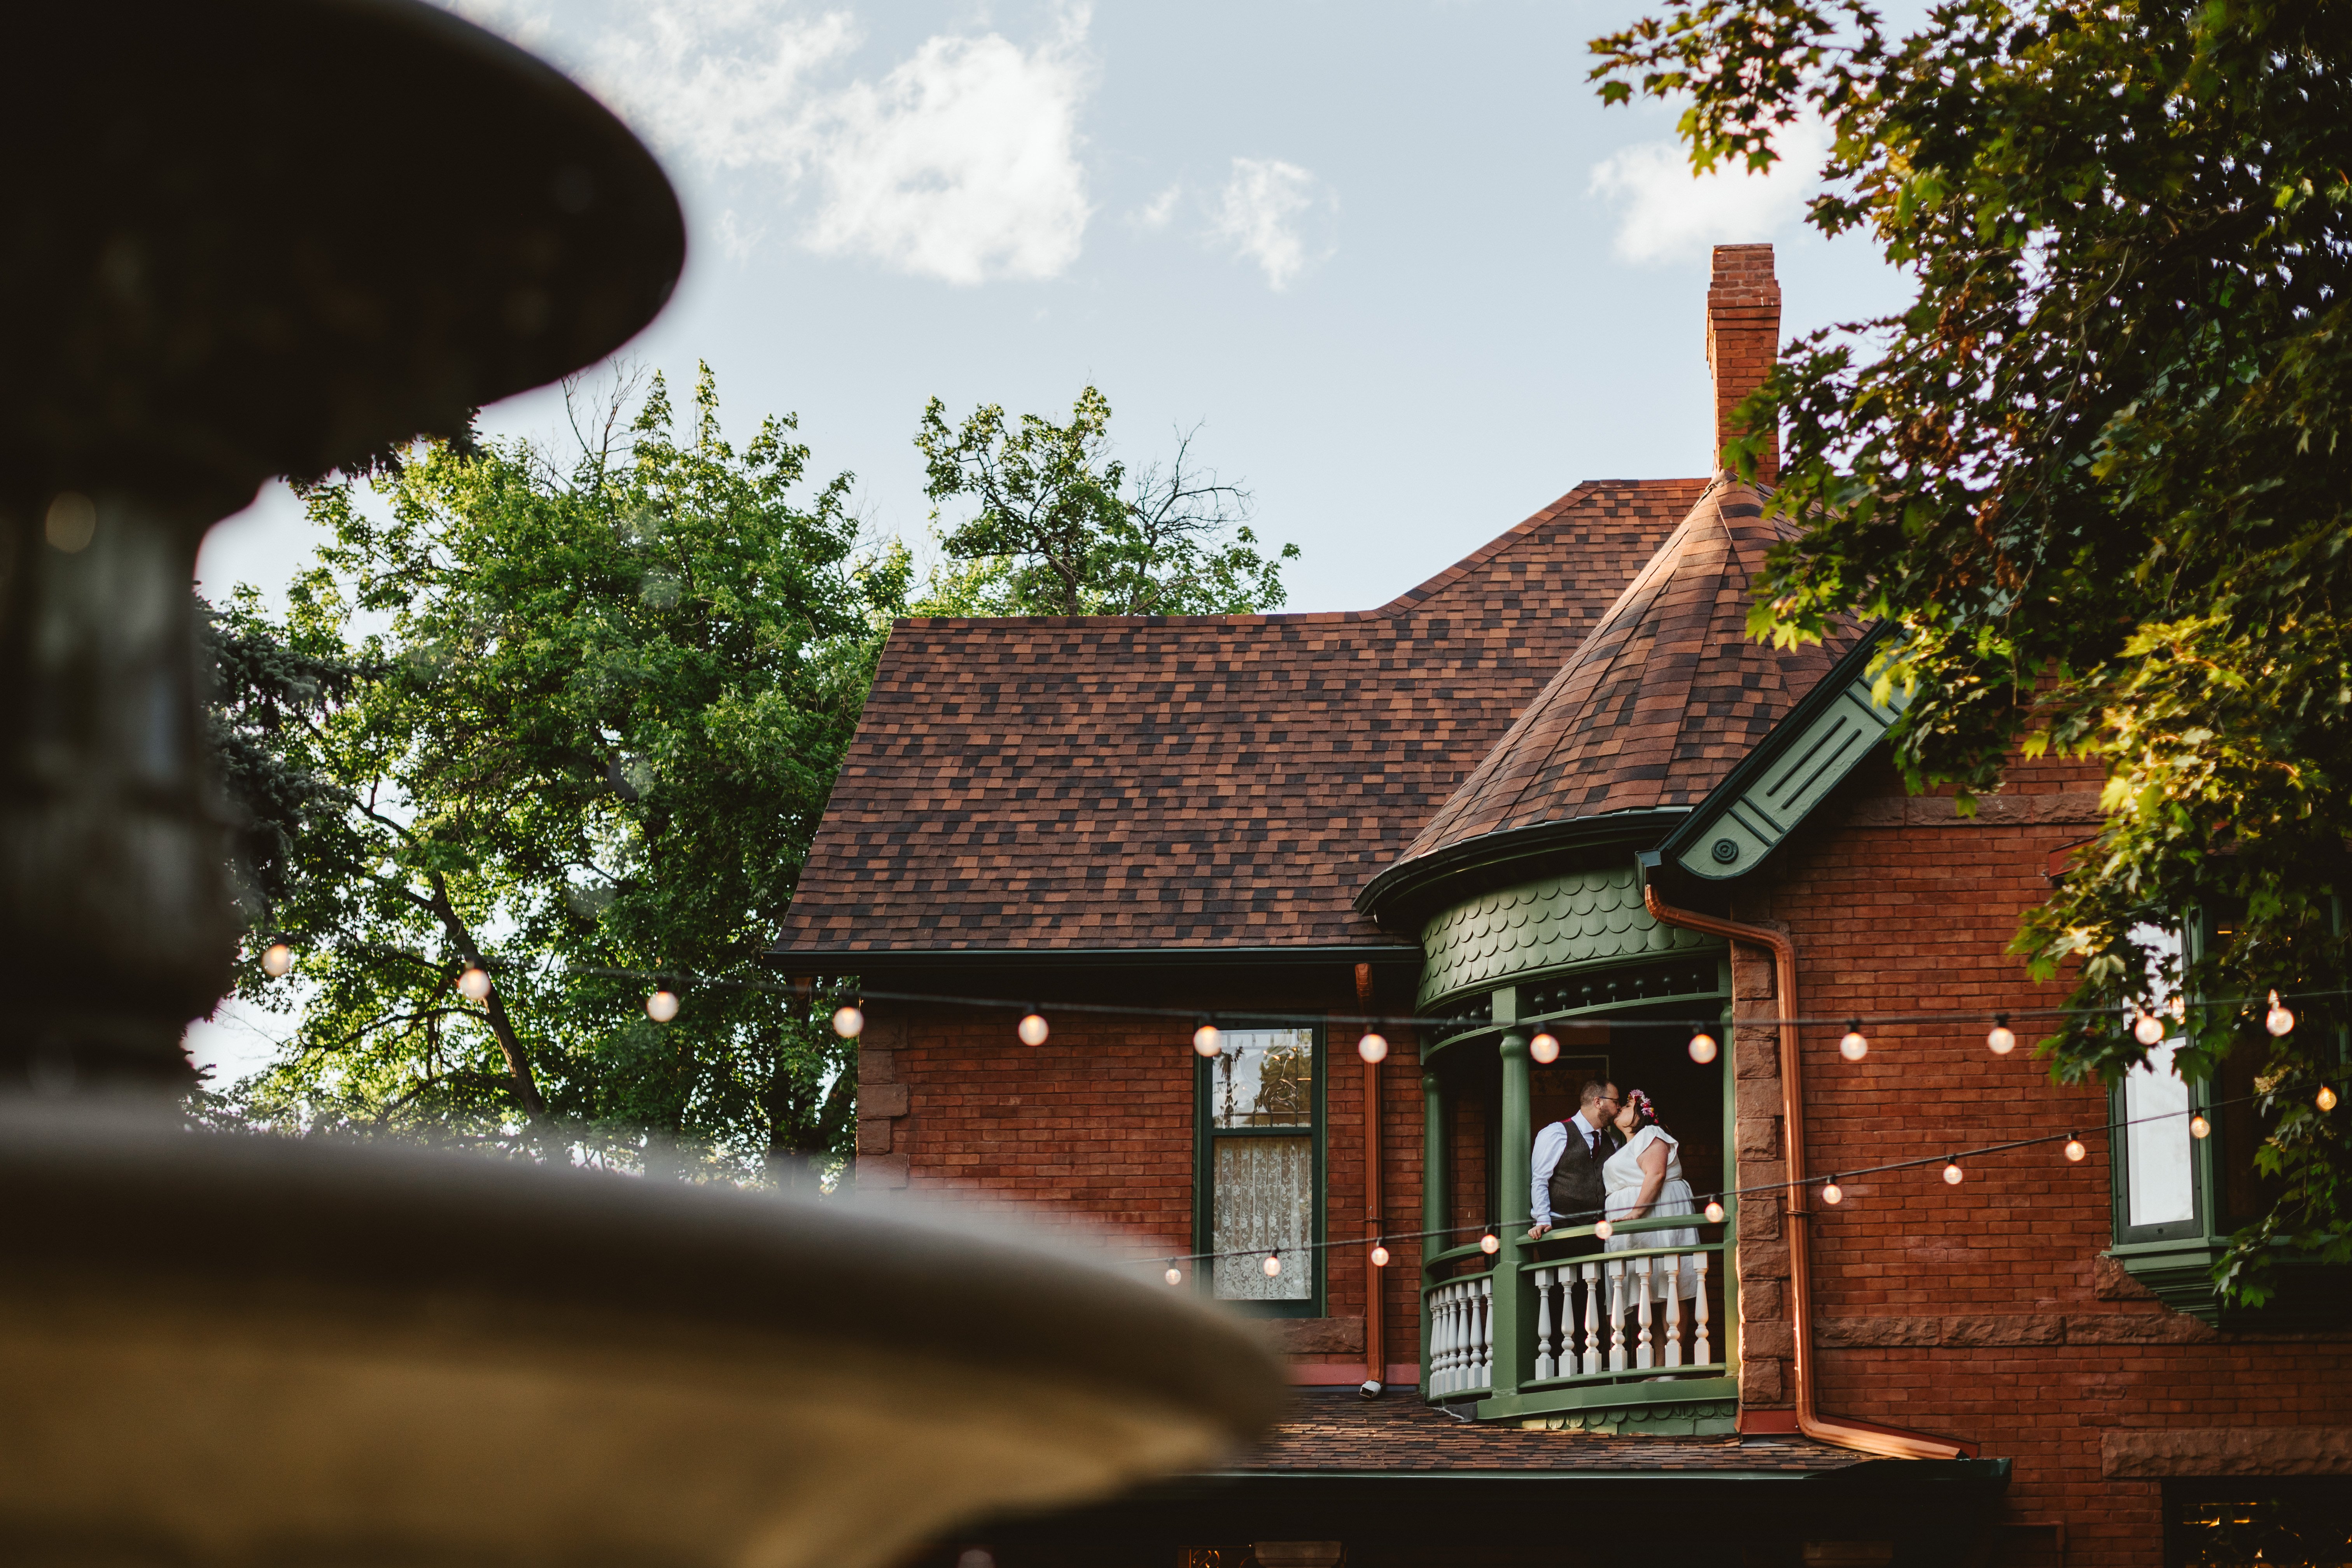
<point>1826,1429</point>
<point>1376,1347</point>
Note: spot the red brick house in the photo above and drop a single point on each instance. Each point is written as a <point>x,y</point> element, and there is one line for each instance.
<point>1554,809</point>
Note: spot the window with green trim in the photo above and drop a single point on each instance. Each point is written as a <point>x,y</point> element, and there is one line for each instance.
<point>1259,1168</point>
<point>2158,1197</point>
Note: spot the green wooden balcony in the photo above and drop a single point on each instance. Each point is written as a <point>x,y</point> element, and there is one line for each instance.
<point>1553,1333</point>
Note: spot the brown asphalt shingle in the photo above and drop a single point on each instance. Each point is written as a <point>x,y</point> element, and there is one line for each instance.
<point>1338,1431</point>
<point>1660,701</point>
<point>1143,782</point>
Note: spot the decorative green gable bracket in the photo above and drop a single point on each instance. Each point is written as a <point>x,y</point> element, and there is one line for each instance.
<point>1808,753</point>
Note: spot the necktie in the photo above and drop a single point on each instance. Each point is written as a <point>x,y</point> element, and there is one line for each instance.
<point>1592,1147</point>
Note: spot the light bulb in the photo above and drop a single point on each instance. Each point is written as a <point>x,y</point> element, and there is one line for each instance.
<point>1952,1171</point>
<point>2074,1150</point>
<point>2178,1007</point>
<point>2147,1029</point>
<point>1832,1192</point>
<point>1206,1041</point>
<point>1379,1258</point>
<point>276,959</point>
<point>1490,1243</point>
<point>2327,1097</point>
<point>1175,1275</point>
<point>2198,1127</point>
<point>2002,1041</point>
<point>473,983</point>
<point>1032,1030</point>
<point>848,1022</point>
<point>1702,1047</point>
<point>1544,1047</point>
<point>1372,1047</point>
<point>1714,1211</point>
<point>1853,1048</point>
<point>1604,1230</point>
<point>662,1005</point>
<point>2278,1020</point>
<point>1272,1264</point>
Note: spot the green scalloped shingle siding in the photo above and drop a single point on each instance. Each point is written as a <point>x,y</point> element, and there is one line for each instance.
<point>1551,923</point>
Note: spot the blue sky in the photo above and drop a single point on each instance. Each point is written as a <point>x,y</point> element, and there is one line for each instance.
<point>1393,255</point>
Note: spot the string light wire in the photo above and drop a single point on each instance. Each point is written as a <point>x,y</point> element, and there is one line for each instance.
<point>1602,1228</point>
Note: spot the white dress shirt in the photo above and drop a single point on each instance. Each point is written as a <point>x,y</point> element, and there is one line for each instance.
<point>1551,1144</point>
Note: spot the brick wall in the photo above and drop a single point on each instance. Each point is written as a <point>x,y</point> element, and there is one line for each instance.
<point>1981,1312</point>
<point>1096,1125</point>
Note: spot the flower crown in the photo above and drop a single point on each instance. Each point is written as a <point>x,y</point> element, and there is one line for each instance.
<point>1642,1108</point>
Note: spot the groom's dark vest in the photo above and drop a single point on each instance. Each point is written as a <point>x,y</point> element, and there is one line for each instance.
<point>1576,1180</point>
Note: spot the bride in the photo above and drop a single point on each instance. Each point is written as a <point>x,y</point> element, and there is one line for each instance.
<point>1645,1177</point>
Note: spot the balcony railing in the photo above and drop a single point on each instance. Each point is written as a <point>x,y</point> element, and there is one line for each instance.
<point>1601,1336</point>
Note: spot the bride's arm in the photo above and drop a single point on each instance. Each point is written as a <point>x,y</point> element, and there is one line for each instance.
<point>1654,1176</point>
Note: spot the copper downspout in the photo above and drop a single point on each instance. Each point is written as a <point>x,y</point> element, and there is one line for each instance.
<point>1897,1445</point>
<point>1376,1347</point>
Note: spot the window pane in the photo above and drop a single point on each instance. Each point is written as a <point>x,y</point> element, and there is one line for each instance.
<point>2156,1154</point>
<point>1264,1078</point>
<point>1263,1198</point>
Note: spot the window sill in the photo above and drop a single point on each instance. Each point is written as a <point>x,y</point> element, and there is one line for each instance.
<point>2311,1296</point>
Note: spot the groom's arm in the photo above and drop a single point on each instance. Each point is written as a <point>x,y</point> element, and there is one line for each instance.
<point>1550,1144</point>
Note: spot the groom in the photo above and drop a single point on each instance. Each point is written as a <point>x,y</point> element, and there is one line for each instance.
<point>1568,1159</point>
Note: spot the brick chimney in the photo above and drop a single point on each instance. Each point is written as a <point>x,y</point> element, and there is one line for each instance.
<point>1743,340</point>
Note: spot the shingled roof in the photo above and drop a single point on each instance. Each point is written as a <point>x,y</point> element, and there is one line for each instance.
<point>1660,702</point>
<point>1110,782</point>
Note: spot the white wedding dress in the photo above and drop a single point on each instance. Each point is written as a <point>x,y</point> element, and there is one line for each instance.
<point>1621,1182</point>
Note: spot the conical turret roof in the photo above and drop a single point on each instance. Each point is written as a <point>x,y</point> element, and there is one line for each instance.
<point>1659,701</point>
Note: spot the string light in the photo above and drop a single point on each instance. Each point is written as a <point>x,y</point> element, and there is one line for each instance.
<point>2147,1029</point>
<point>1716,1211</point>
<point>1832,1192</point>
<point>1032,1029</point>
<point>1490,1244</point>
<point>2178,1007</point>
<point>473,983</point>
<point>1380,1256</point>
<point>2002,1041</point>
<point>849,1021</point>
<point>1175,1275</point>
<point>1544,1047</point>
<point>1853,1048</point>
<point>1206,1041</point>
<point>1372,1048</point>
<point>2278,1020</point>
<point>662,1005</point>
<point>2198,1127</point>
<point>2326,1098</point>
<point>1273,1265</point>
<point>1702,1047</point>
<point>276,959</point>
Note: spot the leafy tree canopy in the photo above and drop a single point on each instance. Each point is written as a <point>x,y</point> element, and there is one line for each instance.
<point>2095,471</point>
<point>1060,528</point>
<point>588,738</point>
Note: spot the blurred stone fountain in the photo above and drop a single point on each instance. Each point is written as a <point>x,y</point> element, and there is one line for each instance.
<point>243,238</point>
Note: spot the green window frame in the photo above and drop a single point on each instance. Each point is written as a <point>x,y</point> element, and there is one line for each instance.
<point>1241,1136</point>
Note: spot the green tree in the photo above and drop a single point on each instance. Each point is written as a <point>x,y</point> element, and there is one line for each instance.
<point>2094,470</point>
<point>1060,528</point>
<point>589,741</point>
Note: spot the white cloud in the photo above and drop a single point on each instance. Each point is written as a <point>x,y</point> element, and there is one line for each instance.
<point>1671,214</point>
<point>1260,215</point>
<point>960,164</point>
<point>1156,213</point>
<point>737,242</point>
